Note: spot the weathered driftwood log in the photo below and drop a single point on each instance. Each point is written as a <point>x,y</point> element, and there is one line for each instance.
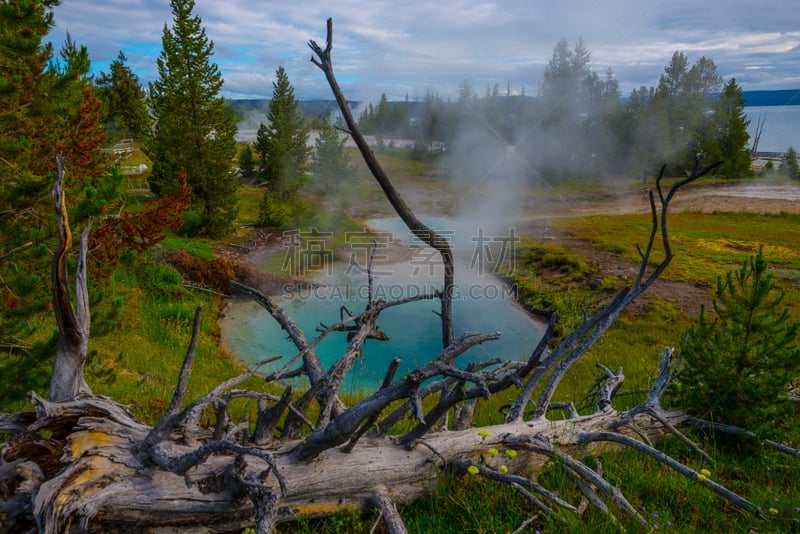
<point>103,482</point>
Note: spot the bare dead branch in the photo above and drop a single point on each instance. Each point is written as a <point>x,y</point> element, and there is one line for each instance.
<point>525,523</point>
<point>657,415</point>
<point>731,497</point>
<point>720,427</point>
<point>263,497</point>
<point>268,418</point>
<point>666,374</point>
<point>11,347</point>
<point>568,407</point>
<point>393,418</point>
<point>191,414</point>
<point>342,325</point>
<point>542,446</point>
<point>339,370</point>
<point>417,227</point>
<point>569,351</point>
<point>181,464</point>
<point>370,422</point>
<point>609,387</point>
<point>782,448</point>
<point>16,250</point>
<point>521,481</point>
<point>591,496</point>
<point>388,509</point>
<point>186,368</point>
<point>311,361</point>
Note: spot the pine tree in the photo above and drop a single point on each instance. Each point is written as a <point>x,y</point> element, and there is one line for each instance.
<point>47,108</point>
<point>789,165</point>
<point>685,93</point>
<point>728,135</point>
<point>282,144</point>
<point>739,363</point>
<point>24,85</point>
<point>330,163</point>
<point>562,102</point>
<point>383,119</point>
<point>193,132</point>
<point>246,164</point>
<point>124,108</point>
<point>366,120</point>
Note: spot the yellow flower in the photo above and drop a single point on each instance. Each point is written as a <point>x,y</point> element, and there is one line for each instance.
<point>511,453</point>
<point>701,477</point>
<point>705,472</point>
<point>473,470</point>
<point>493,451</point>
<point>773,511</point>
<point>504,469</point>
<point>483,433</point>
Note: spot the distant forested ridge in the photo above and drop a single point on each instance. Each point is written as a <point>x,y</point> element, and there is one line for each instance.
<point>780,97</point>
<point>317,108</point>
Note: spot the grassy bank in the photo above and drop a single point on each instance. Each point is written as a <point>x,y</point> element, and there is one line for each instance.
<point>705,244</point>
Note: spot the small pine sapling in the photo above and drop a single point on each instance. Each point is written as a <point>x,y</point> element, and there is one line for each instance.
<point>740,363</point>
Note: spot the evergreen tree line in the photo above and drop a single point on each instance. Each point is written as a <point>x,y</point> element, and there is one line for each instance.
<point>386,119</point>
<point>578,125</point>
<point>50,104</point>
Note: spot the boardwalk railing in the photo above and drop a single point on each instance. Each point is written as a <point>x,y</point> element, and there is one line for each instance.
<point>767,155</point>
<point>122,149</point>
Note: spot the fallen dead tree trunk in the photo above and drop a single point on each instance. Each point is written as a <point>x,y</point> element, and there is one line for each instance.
<point>104,484</point>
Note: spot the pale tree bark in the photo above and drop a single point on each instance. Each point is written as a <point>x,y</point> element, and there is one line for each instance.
<point>73,323</point>
<point>81,462</point>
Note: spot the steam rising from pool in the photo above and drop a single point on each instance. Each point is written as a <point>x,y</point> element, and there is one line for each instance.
<point>482,303</point>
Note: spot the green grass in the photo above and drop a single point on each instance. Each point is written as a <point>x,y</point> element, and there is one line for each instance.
<point>704,245</point>
<point>147,345</point>
<point>199,247</point>
<point>249,200</point>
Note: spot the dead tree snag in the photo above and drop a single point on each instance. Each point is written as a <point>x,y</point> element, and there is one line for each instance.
<point>73,323</point>
<point>434,240</point>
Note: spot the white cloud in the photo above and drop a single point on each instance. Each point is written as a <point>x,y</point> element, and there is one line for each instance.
<point>415,46</point>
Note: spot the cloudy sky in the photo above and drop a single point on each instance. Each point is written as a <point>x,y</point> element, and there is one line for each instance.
<point>410,47</point>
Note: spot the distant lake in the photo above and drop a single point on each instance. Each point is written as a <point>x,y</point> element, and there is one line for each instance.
<point>781,127</point>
